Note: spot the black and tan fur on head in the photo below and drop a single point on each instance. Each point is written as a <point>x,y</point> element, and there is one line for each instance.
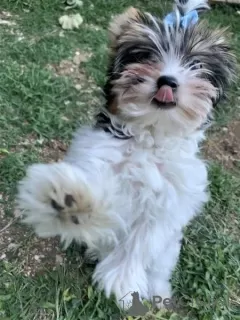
<point>120,24</point>
<point>157,69</point>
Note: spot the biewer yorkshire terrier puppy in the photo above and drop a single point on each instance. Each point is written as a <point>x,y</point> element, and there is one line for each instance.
<point>132,181</point>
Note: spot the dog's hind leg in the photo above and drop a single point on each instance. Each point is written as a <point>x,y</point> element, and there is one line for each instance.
<point>160,273</point>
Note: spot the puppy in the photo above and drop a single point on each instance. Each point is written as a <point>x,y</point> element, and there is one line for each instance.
<point>131,182</point>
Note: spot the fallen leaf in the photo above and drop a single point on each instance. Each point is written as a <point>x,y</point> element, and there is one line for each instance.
<point>4,151</point>
<point>69,22</point>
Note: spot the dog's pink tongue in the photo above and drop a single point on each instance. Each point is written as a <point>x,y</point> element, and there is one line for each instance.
<point>164,94</point>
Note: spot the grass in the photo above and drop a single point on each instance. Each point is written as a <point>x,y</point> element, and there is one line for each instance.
<point>36,108</point>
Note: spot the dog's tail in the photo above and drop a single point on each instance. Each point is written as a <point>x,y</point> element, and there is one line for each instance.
<point>185,6</point>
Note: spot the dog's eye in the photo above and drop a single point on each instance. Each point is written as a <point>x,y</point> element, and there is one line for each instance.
<point>195,65</point>
<point>137,80</point>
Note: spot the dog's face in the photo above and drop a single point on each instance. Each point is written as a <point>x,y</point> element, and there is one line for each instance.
<point>160,73</point>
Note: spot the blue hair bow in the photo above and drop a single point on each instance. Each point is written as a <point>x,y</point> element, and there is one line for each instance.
<point>190,18</point>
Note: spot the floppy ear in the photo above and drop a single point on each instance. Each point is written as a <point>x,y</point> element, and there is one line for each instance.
<point>224,63</point>
<point>120,24</point>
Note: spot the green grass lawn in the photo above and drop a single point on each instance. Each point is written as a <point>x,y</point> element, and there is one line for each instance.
<point>50,83</point>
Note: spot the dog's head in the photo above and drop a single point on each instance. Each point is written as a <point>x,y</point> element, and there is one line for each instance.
<point>167,72</point>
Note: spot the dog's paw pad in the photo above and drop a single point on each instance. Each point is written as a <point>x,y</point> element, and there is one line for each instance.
<point>69,200</point>
<point>74,219</point>
<point>56,206</point>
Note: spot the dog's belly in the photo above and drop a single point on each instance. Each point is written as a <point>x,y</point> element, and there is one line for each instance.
<point>164,189</point>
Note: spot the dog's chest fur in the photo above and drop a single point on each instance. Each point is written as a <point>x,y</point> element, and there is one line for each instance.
<point>160,180</point>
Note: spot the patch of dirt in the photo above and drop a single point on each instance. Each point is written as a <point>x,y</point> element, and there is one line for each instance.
<point>72,68</point>
<point>17,243</point>
<point>224,146</point>
<point>48,150</point>
<point>53,150</point>
<point>32,254</point>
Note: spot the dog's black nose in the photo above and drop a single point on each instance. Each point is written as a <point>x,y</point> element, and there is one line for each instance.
<point>167,81</point>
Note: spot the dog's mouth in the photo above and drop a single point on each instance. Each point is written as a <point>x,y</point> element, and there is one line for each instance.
<point>165,97</point>
<point>164,105</point>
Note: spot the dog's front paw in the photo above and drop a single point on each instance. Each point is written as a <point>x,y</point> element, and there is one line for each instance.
<point>53,192</point>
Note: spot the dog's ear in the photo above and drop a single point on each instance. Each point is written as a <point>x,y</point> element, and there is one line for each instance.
<point>120,24</point>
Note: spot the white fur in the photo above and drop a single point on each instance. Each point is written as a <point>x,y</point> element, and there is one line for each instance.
<point>132,200</point>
